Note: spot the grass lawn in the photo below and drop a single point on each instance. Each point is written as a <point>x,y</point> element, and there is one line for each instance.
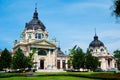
<point>47,78</point>
<point>61,76</point>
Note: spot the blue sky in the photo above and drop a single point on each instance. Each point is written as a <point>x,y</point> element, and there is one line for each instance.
<point>72,22</point>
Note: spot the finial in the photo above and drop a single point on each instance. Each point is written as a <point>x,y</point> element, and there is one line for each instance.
<point>35,6</point>
<point>35,16</point>
<point>95,37</point>
<point>95,31</point>
<point>59,44</point>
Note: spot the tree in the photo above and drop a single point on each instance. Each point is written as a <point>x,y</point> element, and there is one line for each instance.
<point>91,62</point>
<point>19,60</point>
<point>77,57</point>
<point>117,56</point>
<point>5,59</point>
<point>116,10</point>
<point>30,58</point>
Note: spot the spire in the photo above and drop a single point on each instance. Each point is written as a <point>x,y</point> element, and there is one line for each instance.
<point>95,37</point>
<point>35,16</point>
<point>95,31</point>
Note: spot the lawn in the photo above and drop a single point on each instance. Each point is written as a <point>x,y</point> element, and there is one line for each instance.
<point>61,76</point>
<point>47,78</point>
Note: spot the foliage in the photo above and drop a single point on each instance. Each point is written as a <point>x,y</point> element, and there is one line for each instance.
<point>91,62</point>
<point>81,60</point>
<point>19,60</point>
<point>30,58</point>
<point>116,10</point>
<point>117,56</point>
<point>5,59</point>
<point>77,57</point>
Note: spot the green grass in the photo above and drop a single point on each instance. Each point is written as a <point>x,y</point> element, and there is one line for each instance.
<point>47,78</point>
<point>61,76</point>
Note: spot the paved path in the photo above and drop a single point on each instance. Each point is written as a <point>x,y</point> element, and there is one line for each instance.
<point>50,70</point>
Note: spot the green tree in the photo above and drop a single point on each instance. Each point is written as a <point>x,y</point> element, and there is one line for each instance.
<point>19,60</point>
<point>77,57</point>
<point>30,58</point>
<point>91,62</point>
<point>117,57</point>
<point>116,10</point>
<point>71,56</point>
<point>5,59</point>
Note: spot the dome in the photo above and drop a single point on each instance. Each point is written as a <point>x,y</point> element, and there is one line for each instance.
<point>96,42</point>
<point>35,23</point>
<point>59,52</point>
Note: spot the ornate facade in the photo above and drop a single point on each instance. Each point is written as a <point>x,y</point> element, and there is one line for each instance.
<point>35,36</point>
<point>97,49</point>
<point>48,55</point>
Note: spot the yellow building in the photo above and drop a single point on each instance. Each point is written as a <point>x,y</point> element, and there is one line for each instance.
<point>35,36</point>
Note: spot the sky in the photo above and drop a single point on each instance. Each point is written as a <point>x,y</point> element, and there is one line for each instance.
<point>72,22</point>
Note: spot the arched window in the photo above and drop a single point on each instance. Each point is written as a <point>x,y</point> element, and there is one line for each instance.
<point>102,50</point>
<point>39,35</point>
<point>42,52</point>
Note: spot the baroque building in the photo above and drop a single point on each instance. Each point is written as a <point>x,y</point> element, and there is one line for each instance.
<point>48,55</point>
<point>35,36</point>
<point>98,49</point>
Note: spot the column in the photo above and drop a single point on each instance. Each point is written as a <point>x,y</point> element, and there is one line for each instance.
<point>61,64</point>
<point>66,64</point>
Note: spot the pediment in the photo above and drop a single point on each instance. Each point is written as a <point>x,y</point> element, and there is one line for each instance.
<point>43,43</point>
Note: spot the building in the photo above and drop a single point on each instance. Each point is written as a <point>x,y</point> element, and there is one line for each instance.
<point>35,36</point>
<point>98,49</point>
<point>48,54</point>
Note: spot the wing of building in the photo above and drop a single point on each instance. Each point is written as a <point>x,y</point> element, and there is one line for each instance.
<point>98,49</point>
<point>35,36</point>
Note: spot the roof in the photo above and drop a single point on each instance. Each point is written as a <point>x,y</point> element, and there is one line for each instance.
<point>35,23</point>
<point>96,42</point>
<point>60,53</point>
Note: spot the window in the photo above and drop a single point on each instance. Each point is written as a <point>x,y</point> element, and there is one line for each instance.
<point>42,52</point>
<point>102,50</point>
<point>36,35</point>
<point>39,35</point>
<point>29,36</point>
<point>42,36</point>
<point>91,50</point>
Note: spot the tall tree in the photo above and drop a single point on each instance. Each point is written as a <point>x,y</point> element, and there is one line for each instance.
<point>19,60</point>
<point>116,10</point>
<point>30,58</point>
<point>5,59</point>
<point>77,57</point>
<point>91,62</point>
<point>117,56</point>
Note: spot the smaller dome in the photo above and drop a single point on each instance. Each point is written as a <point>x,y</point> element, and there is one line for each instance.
<point>59,52</point>
<point>96,42</point>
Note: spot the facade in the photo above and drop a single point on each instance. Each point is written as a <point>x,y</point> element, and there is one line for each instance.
<point>35,36</point>
<point>48,55</point>
<point>97,49</point>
